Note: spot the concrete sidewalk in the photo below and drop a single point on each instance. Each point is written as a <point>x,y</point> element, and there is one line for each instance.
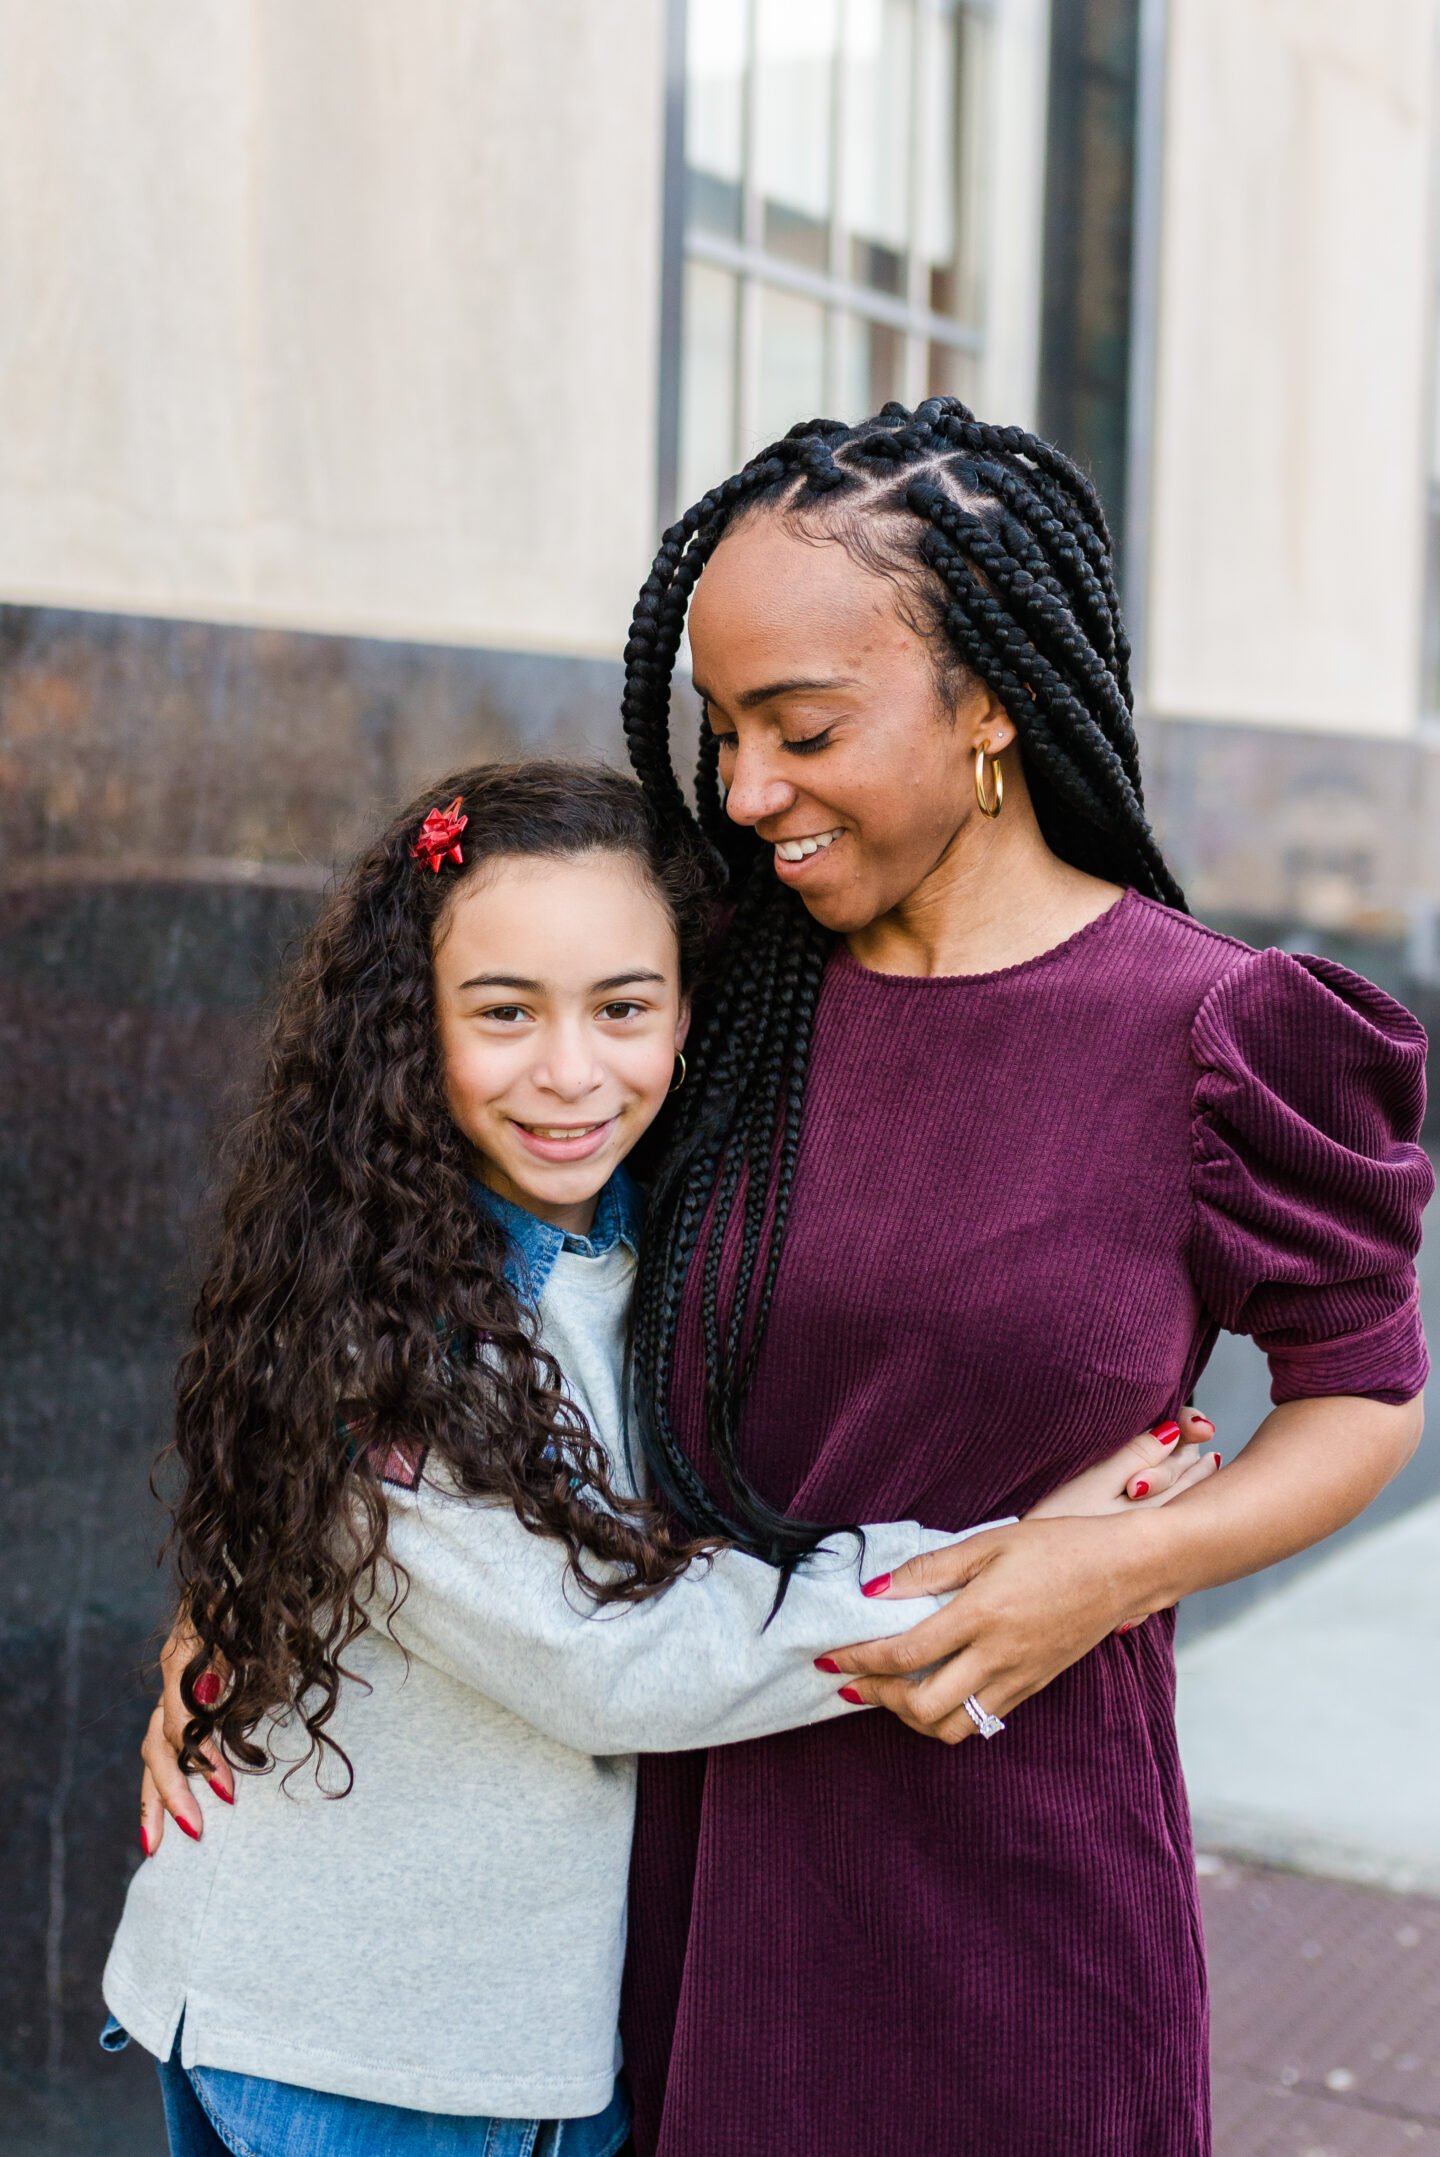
<point>1310,1725</point>
<point>1325,2016</point>
<point>1310,1730</point>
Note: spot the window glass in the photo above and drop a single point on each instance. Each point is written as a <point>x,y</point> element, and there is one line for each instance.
<point>871,366</point>
<point>875,160</point>
<point>715,114</point>
<point>792,362</point>
<point>796,48</point>
<point>707,384</point>
<point>950,372</point>
<point>836,158</point>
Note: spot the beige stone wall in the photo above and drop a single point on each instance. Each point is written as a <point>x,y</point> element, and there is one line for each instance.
<point>332,313</point>
<point>1291,438</point>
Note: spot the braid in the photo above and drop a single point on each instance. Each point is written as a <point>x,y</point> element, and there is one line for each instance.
<point>1005,543</point>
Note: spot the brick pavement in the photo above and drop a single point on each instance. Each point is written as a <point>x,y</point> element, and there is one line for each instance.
<point>1326,2004</point>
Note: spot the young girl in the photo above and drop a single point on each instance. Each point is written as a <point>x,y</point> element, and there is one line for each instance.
<point>409,1538</point>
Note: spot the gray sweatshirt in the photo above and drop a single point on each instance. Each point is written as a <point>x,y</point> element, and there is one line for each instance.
<point>449,1935</point>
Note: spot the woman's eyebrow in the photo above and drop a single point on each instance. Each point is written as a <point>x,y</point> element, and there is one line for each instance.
<point>749,698</point>
<point>500,981</point>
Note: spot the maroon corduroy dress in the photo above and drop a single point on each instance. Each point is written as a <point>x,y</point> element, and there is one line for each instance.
<point>1024,1203</point>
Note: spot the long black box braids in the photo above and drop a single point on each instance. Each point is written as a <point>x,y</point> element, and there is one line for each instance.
<point>1002,543</point>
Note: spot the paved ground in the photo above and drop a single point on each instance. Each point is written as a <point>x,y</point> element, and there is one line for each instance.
<point>1326,2016</point>
<point>1310,1724</point>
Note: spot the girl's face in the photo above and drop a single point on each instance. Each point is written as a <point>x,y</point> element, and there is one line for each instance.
<point>557,992</point>
<point>830,727</point>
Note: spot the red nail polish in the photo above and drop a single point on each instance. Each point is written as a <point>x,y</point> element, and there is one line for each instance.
<point>1141,1490</point>
<point>207,1688</point>
<point>221,1792</point>
<point>1203,1423</point>
<point>186,1829</point>
<point>1123,1629</point>
<point>827,1662</point>
<point>145,1841</point>
<point>1217,1460</point>
<point>877,1586</point>
<point>1167,1433</point>
<point>848,1692</point>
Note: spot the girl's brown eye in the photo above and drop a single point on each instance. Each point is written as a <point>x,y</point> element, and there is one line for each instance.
<point>620,1011</point>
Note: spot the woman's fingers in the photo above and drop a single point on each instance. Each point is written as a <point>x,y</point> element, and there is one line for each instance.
<point>179,1650</point>
<point>152,1815</point>
<point>163,1777</point>
<point>934,1705</point>
<point>1040,1595</point>
<point>938,1572</point>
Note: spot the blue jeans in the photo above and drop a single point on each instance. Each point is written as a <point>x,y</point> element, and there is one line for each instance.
<point>211,2113</point>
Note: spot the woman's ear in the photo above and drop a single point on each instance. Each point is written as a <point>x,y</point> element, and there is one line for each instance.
<point>682,1024</point>
<point>990,726</point>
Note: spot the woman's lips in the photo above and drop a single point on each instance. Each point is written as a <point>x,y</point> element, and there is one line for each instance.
<point>817,846</point>
<point>576,1142</point>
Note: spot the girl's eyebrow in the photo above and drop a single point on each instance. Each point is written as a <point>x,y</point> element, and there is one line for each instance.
<point>623,981</point>
<point>597,988</point>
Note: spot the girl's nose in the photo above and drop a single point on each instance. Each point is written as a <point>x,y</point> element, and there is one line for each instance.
<point>757,788</point>
<point>569,1069</point>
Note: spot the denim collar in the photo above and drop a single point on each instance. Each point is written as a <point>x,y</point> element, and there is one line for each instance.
<point>535,1244</point>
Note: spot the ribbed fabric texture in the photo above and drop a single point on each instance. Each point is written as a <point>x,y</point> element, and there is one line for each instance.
<point>1024,1204</point>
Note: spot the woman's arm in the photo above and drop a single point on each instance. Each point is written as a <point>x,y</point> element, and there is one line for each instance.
<point>1036,1597</point>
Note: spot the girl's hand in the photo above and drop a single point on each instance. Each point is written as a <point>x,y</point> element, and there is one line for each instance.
<point>1151,1470</point>
<point>163,1787</point>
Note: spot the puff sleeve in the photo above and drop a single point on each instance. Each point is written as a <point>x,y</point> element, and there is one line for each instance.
<point>1307,1181</point>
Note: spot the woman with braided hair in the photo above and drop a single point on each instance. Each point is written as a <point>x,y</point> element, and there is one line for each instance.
<point>982,1142</point>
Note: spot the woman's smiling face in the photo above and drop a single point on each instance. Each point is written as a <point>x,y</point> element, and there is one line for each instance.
<point>835,745</point>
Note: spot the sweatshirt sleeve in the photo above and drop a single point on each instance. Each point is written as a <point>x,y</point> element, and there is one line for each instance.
<point>495,1607</point>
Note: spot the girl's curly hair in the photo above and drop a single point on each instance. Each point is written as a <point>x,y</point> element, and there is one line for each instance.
<point>358,1299</point>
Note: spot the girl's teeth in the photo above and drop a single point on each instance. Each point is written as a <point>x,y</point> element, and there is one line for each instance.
<point>540,1130</point>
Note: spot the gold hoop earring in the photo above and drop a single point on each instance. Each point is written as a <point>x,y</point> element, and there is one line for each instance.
<point>677,1083</point>
<point>986,808</point>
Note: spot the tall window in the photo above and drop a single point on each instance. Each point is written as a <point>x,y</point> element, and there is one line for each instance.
<point>833,155</point>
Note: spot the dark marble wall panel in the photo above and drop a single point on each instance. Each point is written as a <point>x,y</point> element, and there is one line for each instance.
<point>172,798</point>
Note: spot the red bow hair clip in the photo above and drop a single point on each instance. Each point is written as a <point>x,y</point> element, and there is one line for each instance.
<point>439,838</point>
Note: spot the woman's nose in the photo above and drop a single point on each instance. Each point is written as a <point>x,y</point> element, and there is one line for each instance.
<point>757,788</point>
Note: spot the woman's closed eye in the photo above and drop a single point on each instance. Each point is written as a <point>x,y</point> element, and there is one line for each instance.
<point>809,744</point>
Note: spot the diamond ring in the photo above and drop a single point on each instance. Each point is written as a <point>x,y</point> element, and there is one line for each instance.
<point>988,1725</point>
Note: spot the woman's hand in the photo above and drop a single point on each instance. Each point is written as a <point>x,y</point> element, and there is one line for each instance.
<point>1152,1469</point>
<point>1036,1597</point>
<point>164,1787</point>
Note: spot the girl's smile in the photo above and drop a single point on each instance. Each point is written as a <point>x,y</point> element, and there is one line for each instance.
<point>563,1142</point>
